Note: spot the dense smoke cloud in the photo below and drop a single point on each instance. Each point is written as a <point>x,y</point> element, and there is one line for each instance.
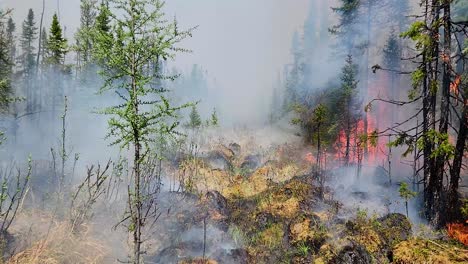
<point>241,44</point>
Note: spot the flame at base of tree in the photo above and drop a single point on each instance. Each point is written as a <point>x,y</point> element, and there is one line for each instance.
<point>360,141</point>
<point>458,232</point>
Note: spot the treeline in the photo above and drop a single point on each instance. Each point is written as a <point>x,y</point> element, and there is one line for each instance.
<point>39,66</point>
<point>421,70</point>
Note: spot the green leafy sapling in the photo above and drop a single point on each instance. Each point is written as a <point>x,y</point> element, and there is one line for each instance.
<point>406,194</point>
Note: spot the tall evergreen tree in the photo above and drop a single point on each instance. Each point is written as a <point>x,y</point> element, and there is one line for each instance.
<point>28,36</point>
<point>44,50</point>
<point>56,44</point>
<point>10,34</point>
<point>195,120</point>
<point>5,63</point>
<point>349,105</point>
<point>83,36</point>
<point>28,58</point>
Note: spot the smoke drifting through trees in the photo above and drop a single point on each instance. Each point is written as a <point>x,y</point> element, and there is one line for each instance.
<point>370,121</point>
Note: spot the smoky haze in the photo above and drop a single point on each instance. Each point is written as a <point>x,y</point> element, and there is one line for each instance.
<point>241,44</point>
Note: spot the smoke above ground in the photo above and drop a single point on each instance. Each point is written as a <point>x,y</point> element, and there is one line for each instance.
<point>241,44</point>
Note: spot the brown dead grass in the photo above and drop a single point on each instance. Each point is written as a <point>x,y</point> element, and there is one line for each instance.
<point>63,247</point>
<point>416,251</point>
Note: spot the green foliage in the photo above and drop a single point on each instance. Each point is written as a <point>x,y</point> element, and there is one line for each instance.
<point>392,52</point>
<point>464,208</point>
<point>348,12</point>
<point>195,120</point>
<point>84,35</point>
<point>441,143</point>
<point>405,192</point>
<point>403,139</point>
<point>417,77</point>
<point>56,43</point>
<point>141,33</point>
<point>214,121</point>
<point>303,249</point>
<point>6,63</point>
<point>418,33</point>
<point>28,36</point>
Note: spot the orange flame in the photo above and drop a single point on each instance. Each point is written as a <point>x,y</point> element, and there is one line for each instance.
<point>454,85</point>
<point>458,232</point>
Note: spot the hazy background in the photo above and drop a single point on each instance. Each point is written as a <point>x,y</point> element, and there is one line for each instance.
<point>242,44</point>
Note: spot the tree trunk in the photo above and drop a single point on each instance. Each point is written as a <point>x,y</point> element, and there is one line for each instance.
<point>444,107</point>
<point>453,199</point>
<point>434,185</point>
<point>39,50</point>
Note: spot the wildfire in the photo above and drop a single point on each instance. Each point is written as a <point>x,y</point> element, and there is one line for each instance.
<point>458,232</point>
<point>454,85</point>
<point>309,157</point>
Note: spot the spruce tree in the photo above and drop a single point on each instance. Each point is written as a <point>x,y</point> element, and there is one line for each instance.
<point>10,31</point>
<point>139,36</point>
<point>195,120</point>
<point>5,64</point>
<point>214,120</point>
<point>83,36</point>
<point>43,51</point>
<point>56,44</point>
<point>28,36</point>
<point>28,58</point>
<point>350,107</point>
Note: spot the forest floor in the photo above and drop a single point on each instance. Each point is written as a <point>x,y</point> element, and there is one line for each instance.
<point>244,200</point>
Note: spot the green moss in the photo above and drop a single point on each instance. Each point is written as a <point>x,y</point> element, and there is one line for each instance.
<point>270,238</point>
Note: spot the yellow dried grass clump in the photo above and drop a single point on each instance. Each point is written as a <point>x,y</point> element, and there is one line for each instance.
<point>244,188</point>
<point>63,247</point>
<point>428,251</point>
<point>286,209</point>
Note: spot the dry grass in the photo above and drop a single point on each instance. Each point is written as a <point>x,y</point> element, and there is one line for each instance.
<point>417,251</point>
<point>198,261</point>
<point>285,209</point>
<point>242,187</point>
<point>63,247</point>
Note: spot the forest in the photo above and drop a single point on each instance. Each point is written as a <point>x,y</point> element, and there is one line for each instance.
<point>308,131</point>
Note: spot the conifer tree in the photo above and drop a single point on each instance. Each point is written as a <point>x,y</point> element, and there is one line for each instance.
<point>138,36</point>
<point>5,64</point>
<point>28,36</point>
<point>214,118</point>
<point>195,120</point>
<point>349,105</point>
<point>56,44</point>
<point>43,51</point>
<point>83,36</point>
<point>10,34</point>
<point>28,58</point>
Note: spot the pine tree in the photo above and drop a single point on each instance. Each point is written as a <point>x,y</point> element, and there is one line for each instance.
<point>83,36</point>
<point>56,44</point>
<point>5,64</point>
<point>139,36</point>
<point>44,50</point>
<point>214,118</point>
<point>350,107</point>
<point>28,58</point>
<point>346,29</point>
<point>10,31</point>
<point>28,36</point>
<point>195,120</point>
<point>103,18</point>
